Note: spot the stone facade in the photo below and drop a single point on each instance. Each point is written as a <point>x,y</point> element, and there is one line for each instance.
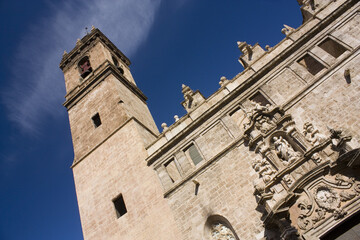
<point>273,154</point>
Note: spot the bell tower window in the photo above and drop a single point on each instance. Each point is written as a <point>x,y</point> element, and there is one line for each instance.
<point>84,67</point>
<point>96,120</point>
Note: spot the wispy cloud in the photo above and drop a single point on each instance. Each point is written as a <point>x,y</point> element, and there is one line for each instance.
<point>37,87</point>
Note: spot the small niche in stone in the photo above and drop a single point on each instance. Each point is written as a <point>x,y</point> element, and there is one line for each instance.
<point>96,120</point>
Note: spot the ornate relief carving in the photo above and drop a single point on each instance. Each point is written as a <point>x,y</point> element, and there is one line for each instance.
<point>328,200</point>
<point>262,166</point>
<point>256,108</point>
<point>273,134</point>
<point>312,135</point>
<point>338,140</point>
<point>221,232</point>
<point>316,157</point>
<point>264,124</point>
<point>288,180</point>
<point>285,151</point>
<point>304,222</point>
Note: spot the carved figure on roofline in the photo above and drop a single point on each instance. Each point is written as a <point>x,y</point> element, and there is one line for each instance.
<point>285,151</point>
<point>312,135</point>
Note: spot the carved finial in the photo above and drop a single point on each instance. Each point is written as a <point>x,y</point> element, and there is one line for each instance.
<point>287,30</point>
<point>176,117</point>
<point>164,126</point>
<point>92,28</point>
<point>65,53</point>
<point>186,90</point>
<point>245,48</point>
<point>78,41</point>
<point>268,48</point>
<point>223,81</point>
<point>240,44</point>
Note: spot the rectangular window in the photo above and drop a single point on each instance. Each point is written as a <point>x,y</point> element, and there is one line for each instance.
<point>192,153</point>
<point>311,64</point>
<point>96,120</point>
<point>119,205</point>
<point>172,170</point>
<point>333,48</point>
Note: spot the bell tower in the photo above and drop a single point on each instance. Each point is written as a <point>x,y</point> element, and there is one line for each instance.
<point>119,197</point>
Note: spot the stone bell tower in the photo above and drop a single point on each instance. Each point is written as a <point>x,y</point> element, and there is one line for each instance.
<point>119,197</point>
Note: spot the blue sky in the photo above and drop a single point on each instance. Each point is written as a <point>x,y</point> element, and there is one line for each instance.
<point>169,43</point>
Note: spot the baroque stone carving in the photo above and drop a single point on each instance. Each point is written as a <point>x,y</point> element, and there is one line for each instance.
<point>285,151</point>
<point>338,140</point>
<point>316,157</point>
<point>287,179</point>
<point>221,232</point>
<point>312,135</point>
<point>257,108</point>
<point>264,124</point>
<point>328,200</point>
<point>304,222</point>
<point>262,166</point>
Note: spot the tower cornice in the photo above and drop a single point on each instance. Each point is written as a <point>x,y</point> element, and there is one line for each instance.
<point>105,70</point>
<point>81,46</point>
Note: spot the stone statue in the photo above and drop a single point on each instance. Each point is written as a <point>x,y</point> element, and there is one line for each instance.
<point>221,232</point>
<point>264,169</point>
<point>264,124</point>
<point>312,135</point>
<point>285,151</point>
<point>256,108</point>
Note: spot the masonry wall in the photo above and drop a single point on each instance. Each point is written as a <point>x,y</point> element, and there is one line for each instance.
<point>118,167</point>
<point>115,104</point>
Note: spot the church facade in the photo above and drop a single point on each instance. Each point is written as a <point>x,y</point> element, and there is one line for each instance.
<point>272,154</point>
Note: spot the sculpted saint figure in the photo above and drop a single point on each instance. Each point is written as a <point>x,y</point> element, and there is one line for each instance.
<point>263,168</point>
<point>284,150</point>
<point>312,135</point>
